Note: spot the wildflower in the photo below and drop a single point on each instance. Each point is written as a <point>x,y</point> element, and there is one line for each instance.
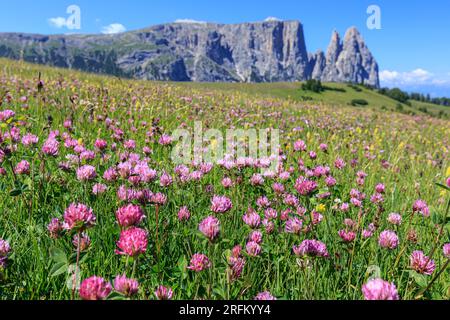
<point>221,204</point>
<point>253,249</point>
<point>421,263</point>
<point>378,289</point>
<point>206,167</point>
<point>110,174</point>
<point>159,199</point>
<point>237,264</point>
<point>67,124</point>
<point>339,163</point>
<point>163,293</point>
<point>421,207</point>
<point>347,236</point>
<point>300,145</point>
<point>210,227</point>
<point>270,213</point>
<point>23,167</point>
<point>278,188</point>
<point>132,242</point>
<point>29,139</point>
<point>446,250</point>
<point>130,215</point>
<point>51,147</point>
<point>344,207</point>
<point>165,140</point>
<point>99,188</point>
<point>184,214</point>
<point>356,202</point>
<point>388,239</point>
<point>305,186</point>
<point>330,181</point>
<point>317,218</point>
<point>86,173</point>
<point>227,182</point>
<point>199,262</point>
<point>95,288</point>
<point>165,180</point>
<point>130,144</point>
<point>285,175</point>
<point>380,188</point>
<point>412,236</point>
<point>78,217</point>
<point>367,233</point>
<point>85,241</point>
<point>377,198</point>
<point>395,219</point>
<point>5,115</point>
<point>257,180</point>
<point>256,236</point>
<point>5,249</point>
<point>127,287</point>
<point>294,225</point>
<point>290,200</point>
<point>263,202</point>
<point>55,228</point>
<point>268,225</point>
<point>252,218</point>
<point>313,248</point>
<point>266,295</point>
<point>100,144</point>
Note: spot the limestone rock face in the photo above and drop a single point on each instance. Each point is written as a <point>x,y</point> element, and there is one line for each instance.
<point>249,52</point>
<point>348,61</point>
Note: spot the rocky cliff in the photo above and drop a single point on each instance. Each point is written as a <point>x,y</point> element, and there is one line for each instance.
<point>249,52</point>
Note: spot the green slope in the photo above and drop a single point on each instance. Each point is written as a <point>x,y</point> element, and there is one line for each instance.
<point>340,94</point>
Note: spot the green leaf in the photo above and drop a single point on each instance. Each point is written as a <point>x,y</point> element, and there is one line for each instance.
<point>116,296</point>
<point>182,264</point>
<point>58,268</point>
<point>420,279</point>
<point>220,292</point>
<point>58,255</point>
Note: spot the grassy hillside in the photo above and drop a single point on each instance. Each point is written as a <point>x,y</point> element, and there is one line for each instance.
<point>94,203</point>
<point>338,94</point>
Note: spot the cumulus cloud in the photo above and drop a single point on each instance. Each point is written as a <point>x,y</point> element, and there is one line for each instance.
<point>418,80</point>
<point>113,28</point>
<point>189,21</point>
<point>58,22</point>
<point>270,19</point>
<point>416,77</point>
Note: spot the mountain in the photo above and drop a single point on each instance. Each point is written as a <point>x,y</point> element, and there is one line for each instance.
<point>205,52</point>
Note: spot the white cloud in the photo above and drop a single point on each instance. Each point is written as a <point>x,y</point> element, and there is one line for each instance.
<point>418,80</point>
<point>270,19</point>
<point>416,77</point>
<point>114,28</point>
<point>58,22</point>
<point>189,21</point>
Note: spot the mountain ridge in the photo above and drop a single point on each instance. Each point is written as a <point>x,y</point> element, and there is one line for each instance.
<point>269,51</point>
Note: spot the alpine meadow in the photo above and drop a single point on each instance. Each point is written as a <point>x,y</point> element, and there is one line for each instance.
<point>93,205</point>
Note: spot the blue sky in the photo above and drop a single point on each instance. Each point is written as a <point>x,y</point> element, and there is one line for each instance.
<point>412,48</point>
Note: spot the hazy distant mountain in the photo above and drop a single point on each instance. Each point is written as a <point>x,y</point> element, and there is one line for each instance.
<point>249,52</point>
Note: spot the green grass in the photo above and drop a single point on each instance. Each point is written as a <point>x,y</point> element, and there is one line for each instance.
<point>293,91</point>
<point>366,138</point>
